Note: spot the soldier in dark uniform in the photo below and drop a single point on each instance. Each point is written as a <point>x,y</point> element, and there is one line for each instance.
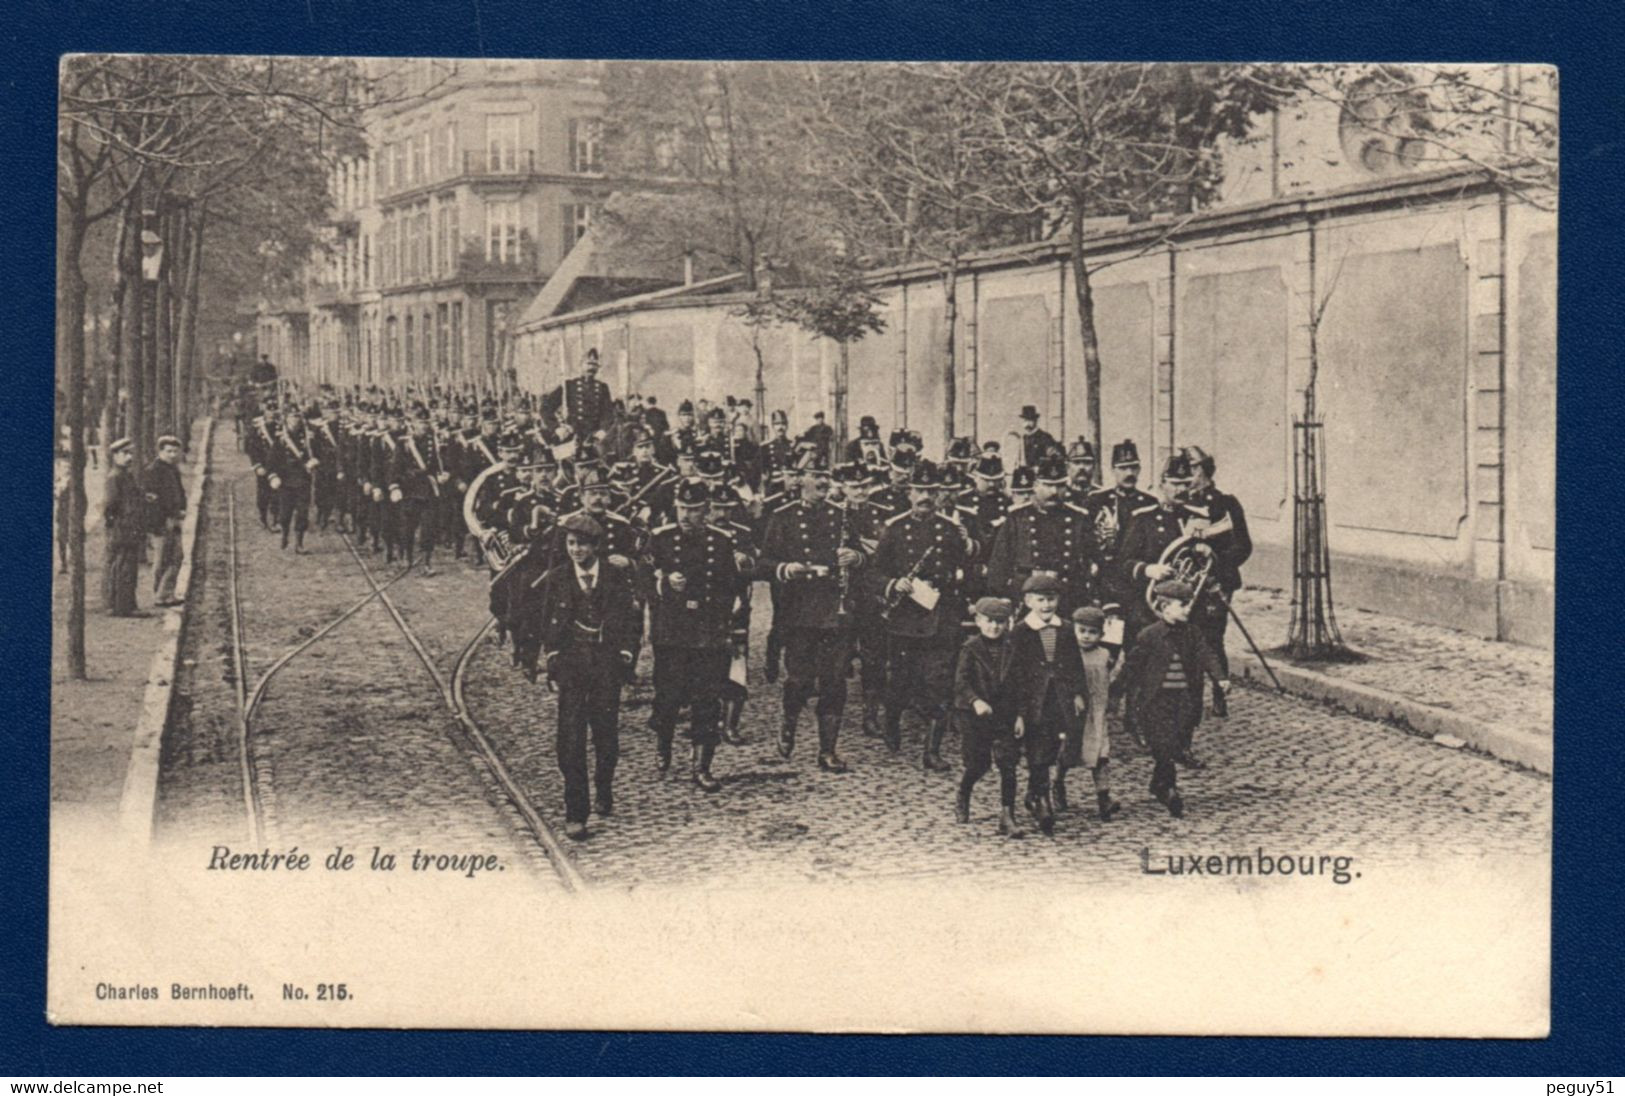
<point>810,552</point>
<point>1035,443</point>
<point>1222,524</point>
<point>124,519</point>
<point>623,540</point>
<point>259,443</point>
<point>893,499</point>
<point>1080,458</point>
<point>693,586</point>
<point>1111,508</point>
<point>583,402</point>
<point>291,466</point>
<point>728,512</point>
<point>655,419</point>
<point>685,436</point>
<point>415,483</point>
<point>991,507</point>
<point>747,457</point>
<point>784,498</point>
<point>821,435</point>
<point>869,636</point>
<point>1048,535</point>
<point>324,449</point>
<point>777,458</point>
<point>591,629</point>
<point>924,557</point>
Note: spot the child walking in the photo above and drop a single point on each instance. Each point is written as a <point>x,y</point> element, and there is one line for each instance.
<point>1090,747</point>
<point>1162,679</point>
<point>1045,688</point>
<point>979,715</point>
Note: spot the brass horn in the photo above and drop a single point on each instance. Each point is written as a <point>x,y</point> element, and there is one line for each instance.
<point>1189,560</point>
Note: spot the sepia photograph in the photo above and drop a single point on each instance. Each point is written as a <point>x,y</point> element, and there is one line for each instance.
<point>999,547</point>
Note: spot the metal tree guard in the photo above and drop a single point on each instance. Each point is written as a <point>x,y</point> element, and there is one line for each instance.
<point>1313,634</point>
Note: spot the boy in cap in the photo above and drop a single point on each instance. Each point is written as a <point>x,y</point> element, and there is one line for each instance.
<point>980,714</point>
<point>1045,688</point>
<point>1090,746</point>
<point>1162,679</point>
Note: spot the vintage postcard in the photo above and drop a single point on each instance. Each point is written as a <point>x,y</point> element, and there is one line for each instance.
<point>947,547</point>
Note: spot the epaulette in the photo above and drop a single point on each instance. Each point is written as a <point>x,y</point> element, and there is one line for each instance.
<point>1143,510</point>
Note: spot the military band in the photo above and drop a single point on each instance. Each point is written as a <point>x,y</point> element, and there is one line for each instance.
<point>989,599</point>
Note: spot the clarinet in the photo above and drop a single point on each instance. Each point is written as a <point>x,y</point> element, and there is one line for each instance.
<point>893,600</point>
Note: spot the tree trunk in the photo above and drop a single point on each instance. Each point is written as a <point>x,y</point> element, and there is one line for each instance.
<point>186,337</point>
<point>1086,329</point>
<point>163,362</point>
<point>112,409</point>
<point>134,341</point>
<point>72,280</point>
<point>950,365</point>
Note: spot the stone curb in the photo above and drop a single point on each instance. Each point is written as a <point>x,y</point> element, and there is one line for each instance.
<point>1512,744</point>
<point>139,802</point>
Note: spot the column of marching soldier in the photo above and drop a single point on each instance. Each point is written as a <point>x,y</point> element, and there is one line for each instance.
<point>1012,609</point>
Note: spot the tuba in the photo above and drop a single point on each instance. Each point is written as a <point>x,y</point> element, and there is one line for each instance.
<point>1191,559</point>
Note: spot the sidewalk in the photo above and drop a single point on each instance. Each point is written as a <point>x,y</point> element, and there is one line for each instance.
<point>1494,697</point>
<point>92,722</point>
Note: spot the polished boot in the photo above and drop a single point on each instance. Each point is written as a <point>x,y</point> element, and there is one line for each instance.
<point>1221,707</point>
<point>1189,760</point>
<point>933,746</point>
<point>701,769</point>
<point>1108,806</point>
<point>871,718</point>
<point>730,725</point>
<point>605,802</point>
<point>962,805</point>
<point>1007,823</point>
<point>787,734</point>
<point>1176,805</point>
<point>662,753</point>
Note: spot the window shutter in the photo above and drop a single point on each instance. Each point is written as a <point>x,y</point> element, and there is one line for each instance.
<point>570,146</point>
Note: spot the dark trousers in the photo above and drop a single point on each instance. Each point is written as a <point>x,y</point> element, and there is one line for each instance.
<point>873,650</point>
<point>589,683</point>
<point>293,508</point>
<point>264,499</point>
<point>984,743</point>
<point>325,492</point>
<point>168,568</point>
<point>692,676</point>
<point>775,635</point>
<point>416,527</point>
<point>119,575</point>
<point>919,675</point>
<point>1162,724</point>
<point>1042,743</point>
<point>815,661</point>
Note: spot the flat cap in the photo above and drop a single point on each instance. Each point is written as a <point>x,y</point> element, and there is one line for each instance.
<point>1171,590</point>
<point>1091,615</point>
<point>1042,582</point>
<point>994,608</point>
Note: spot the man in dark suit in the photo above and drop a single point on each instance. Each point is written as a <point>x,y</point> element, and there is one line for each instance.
<point>124,519</point>
<point>1035,443</point>
<point>166,509</point>
<point>591,629</point>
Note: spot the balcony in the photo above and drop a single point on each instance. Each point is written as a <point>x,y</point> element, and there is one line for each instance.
<point>506,162</point>
<point>473,264</point>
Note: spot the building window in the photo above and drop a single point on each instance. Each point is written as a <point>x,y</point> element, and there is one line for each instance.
<point>502,142</point>
<point>451,149</point>
<point>426,332</point>
<point>409,344</point>
<point>586,146</point>
<point>426,271</point>
<point>397,175</point>
<point>577,218</point>
<point>456,334</point>
<point>502,231</point>
<point>391,350</point>
<point>366,261</point>
<point>443,314</point>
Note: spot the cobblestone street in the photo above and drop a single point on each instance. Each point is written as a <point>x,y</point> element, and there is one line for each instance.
<point>354,746</point>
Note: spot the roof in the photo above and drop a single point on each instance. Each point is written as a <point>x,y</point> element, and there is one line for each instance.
<point>585,278</point>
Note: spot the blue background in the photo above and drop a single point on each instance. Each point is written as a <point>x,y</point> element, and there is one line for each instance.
<point>1589,861</point>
